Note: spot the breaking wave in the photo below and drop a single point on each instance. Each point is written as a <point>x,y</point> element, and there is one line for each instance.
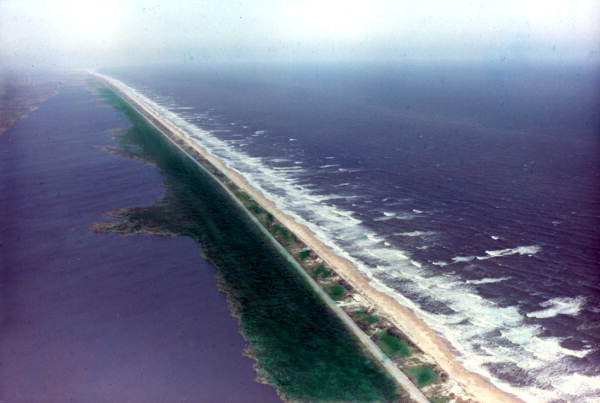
<point>559,306</point>
<point>488,280</point>
<point>490,254</point>
<point>487,336</point>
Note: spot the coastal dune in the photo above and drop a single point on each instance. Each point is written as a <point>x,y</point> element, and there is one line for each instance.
<point>477,387</point>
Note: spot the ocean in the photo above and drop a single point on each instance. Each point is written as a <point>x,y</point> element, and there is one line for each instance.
<point>470,193</point>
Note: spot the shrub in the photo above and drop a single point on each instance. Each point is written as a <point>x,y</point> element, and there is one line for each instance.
<point>336,292</point>
<point>322,272</point>
<point>391,345</point>
<point>304,253</point>
<point>423,375</point>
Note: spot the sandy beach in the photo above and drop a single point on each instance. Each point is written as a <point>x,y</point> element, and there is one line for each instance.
<point>419,333</point>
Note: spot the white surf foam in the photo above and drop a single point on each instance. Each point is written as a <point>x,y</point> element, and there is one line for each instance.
<point>461,259</point>
<point>520,250</point>
<point>405,216</point>
<point>384,218</point>
<point>415,233</point>
<point>490,254</point>
<point>488,280</point>
<point>477,328</point>
<point>559,306</point>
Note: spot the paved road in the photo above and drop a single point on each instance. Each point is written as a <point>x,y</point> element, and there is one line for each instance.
<point>366,341</point>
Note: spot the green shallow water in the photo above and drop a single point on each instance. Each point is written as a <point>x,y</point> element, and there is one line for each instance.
<point>301,347</point>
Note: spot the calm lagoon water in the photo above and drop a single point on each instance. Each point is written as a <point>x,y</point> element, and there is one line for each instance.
<point>93,317</point>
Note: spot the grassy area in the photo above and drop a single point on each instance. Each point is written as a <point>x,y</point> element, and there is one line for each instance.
<point>322,272</point>
<point>301,347</point>
<point>304,253</point>
<point>282,234</point>
<point>336,291</point>
<point>371,319</point>
<point>269,218</point>
<point>364,316</point>
<point>391,345</point>
<point>422,375</point>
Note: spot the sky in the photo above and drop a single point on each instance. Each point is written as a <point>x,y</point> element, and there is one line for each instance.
<point>95,33</point>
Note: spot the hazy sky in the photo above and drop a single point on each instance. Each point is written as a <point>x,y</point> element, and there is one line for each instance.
<point>101,32</point>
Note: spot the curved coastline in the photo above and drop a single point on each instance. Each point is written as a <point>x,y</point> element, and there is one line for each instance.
<point>419,333</point>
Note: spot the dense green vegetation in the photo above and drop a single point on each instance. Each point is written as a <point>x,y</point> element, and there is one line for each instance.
<point>423,375</point>
<point>363,316</point>
<point>322,272</point>
<point>282,234</point>
<point>336,291</point>
<point>301,347</point>
<point>304,253</point>
<point>391,345</point>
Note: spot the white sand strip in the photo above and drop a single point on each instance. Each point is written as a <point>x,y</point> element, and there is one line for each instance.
<point>402,317</point>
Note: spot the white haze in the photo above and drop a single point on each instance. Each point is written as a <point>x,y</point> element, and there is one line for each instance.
<point>99,33</point>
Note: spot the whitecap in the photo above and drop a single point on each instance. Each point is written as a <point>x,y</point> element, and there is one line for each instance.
<point>384,218</point>
<point>488,280</point>
<point>459,259</point>
<point>477,328</point>
<point>520,250</point>
<point>404,216</point>
<point>558,306</point>
<point>415,233</point>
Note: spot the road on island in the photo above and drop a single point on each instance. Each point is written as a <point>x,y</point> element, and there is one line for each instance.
<point>372,348</point>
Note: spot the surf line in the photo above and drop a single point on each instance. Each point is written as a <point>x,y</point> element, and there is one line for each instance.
<point>385,305</point>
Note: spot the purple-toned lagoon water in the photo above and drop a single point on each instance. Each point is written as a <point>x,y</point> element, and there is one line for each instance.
<point>93,317</point>
<point>470,193</point>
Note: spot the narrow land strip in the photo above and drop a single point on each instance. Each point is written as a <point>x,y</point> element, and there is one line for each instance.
<point>400,316</point>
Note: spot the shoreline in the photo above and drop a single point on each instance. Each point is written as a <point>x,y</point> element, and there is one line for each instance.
<point>235,195</point>
<point>400,316</point>
<point>112,318</point>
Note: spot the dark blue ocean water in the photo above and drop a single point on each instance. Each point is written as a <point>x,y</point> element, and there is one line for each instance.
<point>469,192</point>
